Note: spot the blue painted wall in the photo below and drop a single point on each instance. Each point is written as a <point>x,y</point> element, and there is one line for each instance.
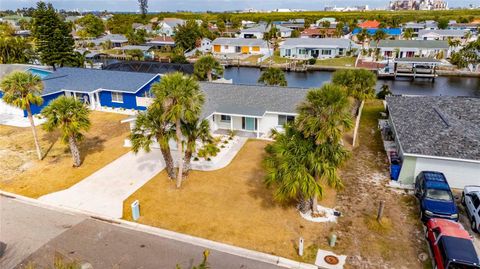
<point>46,100</point>
<point>129,99</point>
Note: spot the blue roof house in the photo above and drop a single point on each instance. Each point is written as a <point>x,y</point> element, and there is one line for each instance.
<point>395,32</point>
<point>98,88</point>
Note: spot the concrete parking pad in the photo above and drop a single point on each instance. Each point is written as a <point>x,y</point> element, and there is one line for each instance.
<point>104,191</point>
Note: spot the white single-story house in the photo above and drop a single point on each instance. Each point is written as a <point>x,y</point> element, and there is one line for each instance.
<point>117,40</point>
<point>306,48</point>
<point>239,46</point>
<point>167,26</point>
<point>258,31</point>
<point>437,133</point>
<point>252,110</point>
<point>146,50</point>
<point>441,34</point>
<point>412,48</point>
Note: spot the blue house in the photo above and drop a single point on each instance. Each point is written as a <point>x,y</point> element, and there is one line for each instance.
<point>371,31</point>
<point>97,88</point>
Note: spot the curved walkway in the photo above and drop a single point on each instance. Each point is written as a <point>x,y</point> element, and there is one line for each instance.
<point>104,191</point>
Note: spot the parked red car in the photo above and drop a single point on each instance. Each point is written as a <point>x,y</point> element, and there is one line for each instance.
<point>451,245</point>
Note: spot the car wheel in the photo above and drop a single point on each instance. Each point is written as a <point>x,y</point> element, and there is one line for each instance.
<point>463,199</point>
<point>474,226</point>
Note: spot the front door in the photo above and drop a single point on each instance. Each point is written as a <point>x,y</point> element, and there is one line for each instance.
<point>249,124</point>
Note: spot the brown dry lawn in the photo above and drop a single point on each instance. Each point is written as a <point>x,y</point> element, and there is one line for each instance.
<point>22,173</point>
<point>232,205</point>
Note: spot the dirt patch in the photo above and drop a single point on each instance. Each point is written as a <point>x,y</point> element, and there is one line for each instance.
<point>22,173</point>
<point>370,244</point>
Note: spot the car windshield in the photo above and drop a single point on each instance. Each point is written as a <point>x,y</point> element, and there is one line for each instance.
<point>437,194</point>
<point>454,265</point>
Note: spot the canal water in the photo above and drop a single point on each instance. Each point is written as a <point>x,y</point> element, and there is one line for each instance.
<point>453,86</point>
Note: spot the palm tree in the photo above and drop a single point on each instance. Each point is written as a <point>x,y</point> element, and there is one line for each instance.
<point>384,92</point>
<point>379,35</point>
<point>360,83</point>
<point>71,117</point>
<point>363,36</point>
<point>273,76</point>
<point>149,127</point>
<point>288,167</point>
<point>323,117</point>
<point>408,33</point>
<point>325,114</point>
<point>23,89</point>
<point>193,131</point>
<point>182,100</point>
<point>205,66</point>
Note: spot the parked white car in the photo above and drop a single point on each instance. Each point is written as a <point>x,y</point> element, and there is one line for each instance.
<point>471,202</point>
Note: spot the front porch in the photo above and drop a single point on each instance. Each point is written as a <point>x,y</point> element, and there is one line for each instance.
<point>251,126</point>
<point>240,133</point>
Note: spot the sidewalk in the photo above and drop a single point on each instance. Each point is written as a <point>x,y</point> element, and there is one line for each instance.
<point>104,191</point>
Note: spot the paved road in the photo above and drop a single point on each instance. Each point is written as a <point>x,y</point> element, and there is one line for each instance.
<point>104,191</point>
<point>36,234</point>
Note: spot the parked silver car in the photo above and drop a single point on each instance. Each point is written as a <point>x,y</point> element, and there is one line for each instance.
<point>471,202</point>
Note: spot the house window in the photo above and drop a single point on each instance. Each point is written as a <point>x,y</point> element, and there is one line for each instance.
<point>340,51</point>
<point>302,51</point>
<point>326,52</point>
<point>117,97</point>
<point>226,47</point>
<point>225,118</point>
<point>282,119</point>
<point>288,52</point>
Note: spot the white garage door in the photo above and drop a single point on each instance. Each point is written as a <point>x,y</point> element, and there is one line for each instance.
<point>458,173</point>
<point>8,109</point>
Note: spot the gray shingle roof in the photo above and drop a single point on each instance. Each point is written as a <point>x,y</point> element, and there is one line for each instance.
<point>318,43</point>
<point>89,80</point>
<point>116,38</point>
<point>443,32</point>
<point>442,126</point>
<point>240,42</point>
<point>250,100</point>
<point>427,44</point>
<point>262,28</point>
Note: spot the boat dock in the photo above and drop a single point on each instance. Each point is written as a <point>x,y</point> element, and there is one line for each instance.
<point>411,67</point>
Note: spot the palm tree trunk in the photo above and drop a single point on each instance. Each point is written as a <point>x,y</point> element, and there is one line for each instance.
<point>314,204</point>
<point>34,131</point>
<point>72,142</point>
<point>188,159</point>
<point>167,157</point>
<point>209,75</point>
<point>178,132</point>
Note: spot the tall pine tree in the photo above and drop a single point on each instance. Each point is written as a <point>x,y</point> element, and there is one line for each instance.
<point>53,39</point>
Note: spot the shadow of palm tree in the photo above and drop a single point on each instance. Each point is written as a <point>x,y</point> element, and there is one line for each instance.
<point>91,145</point>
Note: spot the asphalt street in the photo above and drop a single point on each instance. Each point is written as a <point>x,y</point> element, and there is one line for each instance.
<point>35,234</point>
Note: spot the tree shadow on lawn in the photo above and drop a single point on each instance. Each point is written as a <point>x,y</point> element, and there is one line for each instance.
<point>258,190</point>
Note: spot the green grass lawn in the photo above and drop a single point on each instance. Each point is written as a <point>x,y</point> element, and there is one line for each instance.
<point>343,61</point>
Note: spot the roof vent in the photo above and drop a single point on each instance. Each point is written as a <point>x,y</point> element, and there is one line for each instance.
<point>442,116</point>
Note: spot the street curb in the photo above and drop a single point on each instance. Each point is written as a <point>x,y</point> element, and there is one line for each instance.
<point>205,243</point>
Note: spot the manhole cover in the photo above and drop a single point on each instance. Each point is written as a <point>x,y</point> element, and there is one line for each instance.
<point>330,259</point>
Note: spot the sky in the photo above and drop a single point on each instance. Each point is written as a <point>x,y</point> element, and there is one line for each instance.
<point>204,5</point>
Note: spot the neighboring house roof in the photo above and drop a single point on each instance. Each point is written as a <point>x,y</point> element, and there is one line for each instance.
<point>372,31</point>
<point>318,43</point>
<point>90,80</point>
<point>369,24</point>
<point>262,28</point>
<point>239,42</point>
<point>440,126</point>
<point>424,44</point>
<point>150,67</point>
<point>116,38</point>
<point>167,40</point>
<point>250,100</point>
<point>443,32</point>
<point>172,22</point>
<point>317,31</point>
<point>329,19</point>
<point>135,47</point>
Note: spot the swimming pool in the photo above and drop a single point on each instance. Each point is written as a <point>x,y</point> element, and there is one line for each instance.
<point>39,72</point>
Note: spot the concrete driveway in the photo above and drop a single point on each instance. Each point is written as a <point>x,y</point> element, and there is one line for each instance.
<point>104,191</point>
